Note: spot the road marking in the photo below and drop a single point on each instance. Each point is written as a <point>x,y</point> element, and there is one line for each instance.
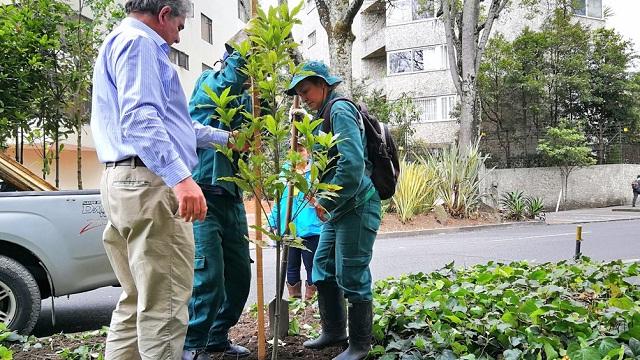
<point>481,241</point>
<point>538,236</point>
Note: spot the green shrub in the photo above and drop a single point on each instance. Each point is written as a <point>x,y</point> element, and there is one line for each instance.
<point>514,205</point>
<point>459,175</point>
<point>535,207</point>
<point>415,191</point>
<point>581,310</point>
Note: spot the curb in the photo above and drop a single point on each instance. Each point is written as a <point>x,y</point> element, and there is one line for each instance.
<point>450,230</point>
<point>592,221</point>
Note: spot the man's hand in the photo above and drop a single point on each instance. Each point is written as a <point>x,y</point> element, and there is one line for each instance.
<point>191,202</point>
<point>232,145</point>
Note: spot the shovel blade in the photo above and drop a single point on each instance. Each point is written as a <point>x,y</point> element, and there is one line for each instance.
<point>283,319</point>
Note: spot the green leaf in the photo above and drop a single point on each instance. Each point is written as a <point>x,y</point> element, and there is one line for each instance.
<point>607,345</point>
<point>294,327</point>
<point>5,353</point>
<point>623,303</point>
<point>446,355</point>
<point>588,353</point>
<point>512,354</point>
<point>550,352</point>
<point>634,345</point>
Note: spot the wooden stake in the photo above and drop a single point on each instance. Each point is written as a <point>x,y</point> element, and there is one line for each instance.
<point>262,342</point>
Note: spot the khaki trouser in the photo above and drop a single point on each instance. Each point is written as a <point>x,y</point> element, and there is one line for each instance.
<point>151,251</point>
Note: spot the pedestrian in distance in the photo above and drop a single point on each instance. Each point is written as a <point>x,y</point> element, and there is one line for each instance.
<point>308,227</point>
<point>635,186</point>
<point>341,263</point>
<point>147,141</point>
<point>222,277</point>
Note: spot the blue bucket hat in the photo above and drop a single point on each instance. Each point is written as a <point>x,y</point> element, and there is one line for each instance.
<point>310,69</point>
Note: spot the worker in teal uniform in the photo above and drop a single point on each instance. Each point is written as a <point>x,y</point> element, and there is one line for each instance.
<point>222,270</point>
<point>341,263</point>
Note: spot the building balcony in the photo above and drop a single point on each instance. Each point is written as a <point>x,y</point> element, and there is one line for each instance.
<point>373,6</point>
<point>373,44</point>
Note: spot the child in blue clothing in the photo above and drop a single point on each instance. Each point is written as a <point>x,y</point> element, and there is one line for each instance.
<point>308,227</point>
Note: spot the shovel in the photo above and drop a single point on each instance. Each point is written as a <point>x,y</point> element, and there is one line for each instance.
<point>279,307</point>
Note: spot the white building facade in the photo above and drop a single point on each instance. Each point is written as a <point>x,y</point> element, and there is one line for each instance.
<point>402,49</point>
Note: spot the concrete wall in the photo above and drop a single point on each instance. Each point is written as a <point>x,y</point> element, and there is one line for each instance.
<point>594,186</point>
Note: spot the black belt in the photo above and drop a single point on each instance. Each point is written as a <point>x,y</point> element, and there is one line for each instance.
<point>133,161</point>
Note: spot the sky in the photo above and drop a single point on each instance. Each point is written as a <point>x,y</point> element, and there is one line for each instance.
<point>625,21</point>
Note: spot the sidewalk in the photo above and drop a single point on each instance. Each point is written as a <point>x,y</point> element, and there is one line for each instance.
<point>614,213</point>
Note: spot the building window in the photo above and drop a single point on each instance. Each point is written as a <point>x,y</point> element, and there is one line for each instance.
<point>590,8</point>
<point>206,67</point>
<point>404,11</point>
<point>243,10</point>
<point>414,60</point>
<point>311,38</point>
<point>179,58</point>
<point>206,28</point>
<point>447,104</point>
<point>435,108</point>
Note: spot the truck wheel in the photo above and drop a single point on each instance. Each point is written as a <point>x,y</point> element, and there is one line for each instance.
<point>19,296</point>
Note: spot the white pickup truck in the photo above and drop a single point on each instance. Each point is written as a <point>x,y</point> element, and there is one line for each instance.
<point>50,245</point>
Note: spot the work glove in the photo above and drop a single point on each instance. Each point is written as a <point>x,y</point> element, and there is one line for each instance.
<point>298,113</point>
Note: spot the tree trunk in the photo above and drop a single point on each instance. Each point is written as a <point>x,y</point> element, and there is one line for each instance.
<point>336,17</point>
<point>466,39</point>
<point>79,155</point>
<point>57,152</point>
<point>340,48</point>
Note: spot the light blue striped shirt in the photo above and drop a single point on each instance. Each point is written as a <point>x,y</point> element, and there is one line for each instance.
<point>139,107</point>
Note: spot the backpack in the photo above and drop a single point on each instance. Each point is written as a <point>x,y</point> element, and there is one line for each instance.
<point>635,185</point>
<point>381,149</point>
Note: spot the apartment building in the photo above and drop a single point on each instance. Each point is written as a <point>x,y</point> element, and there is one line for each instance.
<point>402,49</point>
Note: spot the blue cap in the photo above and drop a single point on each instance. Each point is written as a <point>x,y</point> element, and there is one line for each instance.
<point>310,69</point>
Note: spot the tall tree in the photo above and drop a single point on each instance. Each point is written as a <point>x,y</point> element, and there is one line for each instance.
<point>610,107</point>
<point>467,31</point>
<point>336,17</point>
<point>84,37</point>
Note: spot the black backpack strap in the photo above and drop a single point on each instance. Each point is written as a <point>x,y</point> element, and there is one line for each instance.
<point>326,114</point>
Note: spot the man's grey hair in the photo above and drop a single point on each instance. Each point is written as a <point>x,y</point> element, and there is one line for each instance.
<point>153,7</point>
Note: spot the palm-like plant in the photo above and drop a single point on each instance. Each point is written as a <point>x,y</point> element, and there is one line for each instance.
<point>415,192</point>
<point>459,173</point>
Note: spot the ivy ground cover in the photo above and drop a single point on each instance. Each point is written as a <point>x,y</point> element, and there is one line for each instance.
<point>583,310</point>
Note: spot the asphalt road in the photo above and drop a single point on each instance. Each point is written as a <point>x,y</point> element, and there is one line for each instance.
<point>392,257</point>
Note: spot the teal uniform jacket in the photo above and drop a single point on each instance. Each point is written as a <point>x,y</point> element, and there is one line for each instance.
<point>212,164</point>
<point>345,248</point>
<point>222,270</point>
<point>353,167</point>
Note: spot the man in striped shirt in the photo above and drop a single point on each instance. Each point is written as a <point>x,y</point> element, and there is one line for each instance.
<point>147,141</point>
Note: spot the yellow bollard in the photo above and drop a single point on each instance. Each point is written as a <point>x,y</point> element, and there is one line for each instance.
<point>578,242</point>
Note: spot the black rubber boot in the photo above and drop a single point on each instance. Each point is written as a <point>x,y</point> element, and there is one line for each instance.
<point>360,318</point>
<point>332,317</point>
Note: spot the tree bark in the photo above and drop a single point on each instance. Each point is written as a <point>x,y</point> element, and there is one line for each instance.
<point>336,17</point>
<point>466,40</point>
<point>79,154</point>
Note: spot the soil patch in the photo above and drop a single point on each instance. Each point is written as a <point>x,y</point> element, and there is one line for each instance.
<point>245,333</point>
<point>391,223</point>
